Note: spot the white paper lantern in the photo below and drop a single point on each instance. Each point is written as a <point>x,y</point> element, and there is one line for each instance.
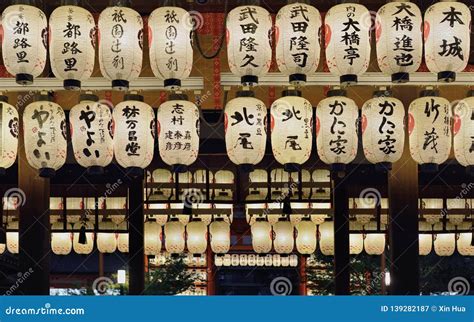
<point>107,239</point>
<point>306,240</point>
<point>122,238</point>
<point>347,35</point>
<point>464,243</point>
<point>398,30</point>
<point>245,129</point>
<point>44,128</point>
<point>248,38</point>
<point>120,45</point>
<point>61,242</point>
<point>293,260</point>
<point>283,237</point>
<point>298,41</point>
<point>291,130</point>
<point>261,232</point>
<point>12,236</point>
<point>463,131</point>
<point>91,134</point>
<point>251,260</point>
<point>174,236</point>
<point>243,260</point>
<point>429,128</point>
<point>260,260</point>
<point>336,129</point>
<point>72,33</point>
<point>83,249</point>
<point>170,31</point>
<point>2,248</point>
<point>196,237</point>
<point>152,239</point>
<point>134,132</point>
<point>374,243</point>
<point>24,34</point>
<point>356,239</point>
<point>383,134</point>
<point>9,130</point>
<point>447,38</point>
<point>227,260</point>
<point>326,238</point>
<point>444,243</point>
<point>269,260</point>
<point>218,260</point>
<point>219,232</point>
<point>425,239</point>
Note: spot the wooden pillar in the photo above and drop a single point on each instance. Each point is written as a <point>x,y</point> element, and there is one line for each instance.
<point>136,226</point>
<point>211,286</point>
<point>303,280</point>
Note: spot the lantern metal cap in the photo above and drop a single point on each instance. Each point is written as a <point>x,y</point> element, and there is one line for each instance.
<point>336,92</point>
<point>291,167</point>
<point>349,79</point>
<point>291,92</point>
<point>246,167</point>
<point>260,219</point>
<point>134,171</point>
<point>470,172</point>
<point>45,96</point>
<point>24,79</point>
<point>297,79</point>
<point>219,219</point>
<point>429,92</point>
<point>383,167</point>
<point>429,167</point>
<point>120,3</point>
<point>95,170</point>
<point>245,93</point>
<point>249,80</point>
<point>470,93</point>
<point>179,168</point>
<point>399,78</point>
<point>69,2</point>
<point>72,84</point>
<point>178,97</point>
<point>120,84</point>
<point>174,219</point>
<point>47,172</point>
<point>4,98</point>
<point>25,2</point>
<point>88,97</point>
<point>382,93</point>
<point>172,83</point>
<point>3,172</point>
<point>133,97</point>
<point>447,76</point>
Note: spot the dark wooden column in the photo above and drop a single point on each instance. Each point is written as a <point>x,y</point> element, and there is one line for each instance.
<point>136,264</point>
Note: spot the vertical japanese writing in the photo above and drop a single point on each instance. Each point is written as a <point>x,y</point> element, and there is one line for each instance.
<point>248,45</point>
<point>179,137</point>
<point>71,47</point>
<point>299,42</point>
<point>117,33</point>
<point>338,134</point>
<point>21,30</point>
<point>351,36</point>
<point>131,114</point>
<point>403,25</point>
<point>171,34</point>
<point>386,128</point>
<point>451,47</point>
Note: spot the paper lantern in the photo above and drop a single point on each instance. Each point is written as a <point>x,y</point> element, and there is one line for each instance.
<point>218,260</point>
<point>196,237</point>
<point>269,260</point>
<point>61,242</point>
<point>276,261</point>
<point>464,243</point>
<point>283,237</point>
<point>261,232</point>
<point>444,243</point>
<point>336,129</point>
<point>223,177</point>
<point>170,31</point>
<point>122,238</point>
<point>235,260</point>
<point>293,260</point>
<point>44,128</point>
<point>24,34</point>
<point>2,248</point>
<point>120,45</point>
<point>243,260</point>
<point>260,260</point>
<point>374,243</point>
<point>174,236</point>
<point>251,259</point>
<point>13,237</point>
<point>91,133</point>
<point>152,239</point>
<point>447,38</point>
<point>245,130</point>
<point>72,35</point>
<point>219,232</point>
<point>291,130</point>
<point>347,35</point>
<point>227,260</point>
<point>9,130</point>
<point>356,239</point>
<point>429,128</point>
<point>178,132</point>
<point>248,37</point>
<point>463,131</point>
<point>298,41</point>
<point>398,33</point>
<point>425,239</point>
<point>106,238</point>
<point>383,134</point>
<point>161,176</point>
<point>134,133</point>
<point>285,261</point>
<point>306,237</point>
<point>326,238</point>
<point>87,247</point>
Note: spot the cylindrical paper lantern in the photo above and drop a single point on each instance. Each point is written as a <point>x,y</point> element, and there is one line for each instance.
<point>374,243</point>
<point>152,239</point>
<point>306,238</point>
<point>61,242</point>
<point>219,231</point>
<point>106,238</point>
<point>463,131</point>
<point>9,130</point>
<point>174,236</point>
<point>425,238</point>
<point>122,238</point>
<point>326,238</point>
<point>356,239</point>
<point>444,243</point>
<point>196,236</point>
<point>464,243</point>
<point>261,232</point>
<point>283,235</point>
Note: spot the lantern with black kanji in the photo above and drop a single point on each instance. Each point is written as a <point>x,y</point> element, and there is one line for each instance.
<point>336,129</point>
<point>249,52</point>
<point>120,34</point>
<point>298,41</point>
<point>72,34</point>
<point>447,38</point>
<point>291,130</point>
<point>134,133</point>
<point>178,132</point>
<point>9,130</point>
<point>24,41</point>
<point>347,36</point>
<point>261,231</point>
<point>44,128</point>
<point>429,128</point>
<point>91,133</point>
<point>170,32</point>
<point>245,130</point>
<point>463,131</point>
<point>398,34</point>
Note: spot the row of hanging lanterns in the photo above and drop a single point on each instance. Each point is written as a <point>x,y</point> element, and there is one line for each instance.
<point>269,260</point>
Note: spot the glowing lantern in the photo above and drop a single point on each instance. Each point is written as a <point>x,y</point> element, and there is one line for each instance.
<point>80,246</point>
<point>285,261</point>
<point>444,243</point>
<point>447,38</point>
<point>326,238</point>
<point>260,260</point>
<point>227,260</point>
<point>12,237</point>
<point>223,177</point>
<point>463,131</point>
<point>24,34</point>
<point>44,128</point>
<point>171,53</point>
<point>298,37</point>
<point>219,232</point>
<point>106,239</point>
<point>347,35</point>
<point>134,138</point>
<point>306,237</point>
<point>245,129</point>
<point>276,261</point>
<point>91,134</point>
<point>251,259</point>
<point>293,260</point>
<point>243,260</point>
<point>178,132</point>
<point>291,130</point>
<point>464,243</point>
<point>283,236</point>
<point>248,37</point>
<point>374,243</point>
<point>72,44</point>
<point>174,236</point>
<point>429,127</point>
<point>152,240</point>
<point>261,232</point>
<point>218,260</point>
<point>425,239</point>
<point>268,260</point>
<point>161,176</point>
<point>9,129</point>
<point>398,30</point>
<point>61,242</point>
<point>122,238</point>
<point>356,239</point>
<point>196,236</point>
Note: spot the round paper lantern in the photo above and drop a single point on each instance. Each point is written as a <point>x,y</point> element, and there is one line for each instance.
<point>463,131</point>
<point>306,237</point>
<point>260,260</point>
<point>12,237</point>
<point>120,45</point>
<point>91,133</point>
<point>219,232</point>
<point>245,130</point>
<point>447,38</point>
<point>347,35</point>
<point>429,128</point>
<point>336,129</point>
<point>9,130</point>
<point>444,243</point>
<point>383,134</point>
<point>152,240</point>
<point>298,41</point>
<point>464,243</point>
<point>61,242</point>
<point>134,138</point>
<point>356,239</point>
<point>248,35</point>
<point>293,260</point>
<point>24,34</point>
<point>196,237</point>
<point>235,260</point>
<point>291,130</point>
<point>269,260</point>
<point>261,232</point>
<point>122,238</point>
<point>170,31</point>
<point>174,236</point>
<point>88,245</point>
<point>283,236</point>
<point>374,243</point>
<point>227,260</point>
<point>243,260</point>
<point>425,239</point>
<point>251,259</point>
<point>178,132</point>
<point>326,238</point>
<point>106,238</point>
<point>218,260</point>
<point>44,128</point>
<point>72,34</point>
<point>398,33</point>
